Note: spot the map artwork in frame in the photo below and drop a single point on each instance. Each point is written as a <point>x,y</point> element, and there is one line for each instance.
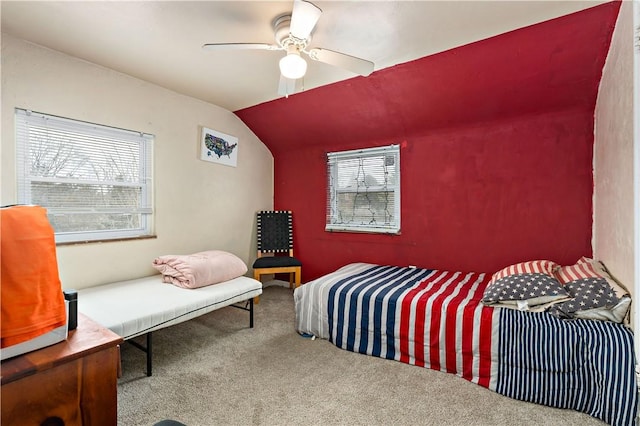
<point>218,147</point>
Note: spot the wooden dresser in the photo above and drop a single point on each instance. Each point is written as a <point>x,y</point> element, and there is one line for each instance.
<point>73,382</point>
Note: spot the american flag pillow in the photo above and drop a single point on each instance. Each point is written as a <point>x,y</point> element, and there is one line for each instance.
<point>546,267</point>
<point>583,269</point>
<point>527,286</point>
<point>595,294</point>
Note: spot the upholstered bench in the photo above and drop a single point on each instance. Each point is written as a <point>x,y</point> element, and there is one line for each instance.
<point>140,306</point>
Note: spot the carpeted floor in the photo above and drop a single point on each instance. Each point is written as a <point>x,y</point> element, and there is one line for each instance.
<point>215,370</point>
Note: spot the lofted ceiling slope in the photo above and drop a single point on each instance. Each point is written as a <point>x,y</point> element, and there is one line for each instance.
<point>553,65</point>
<point>161,41</point>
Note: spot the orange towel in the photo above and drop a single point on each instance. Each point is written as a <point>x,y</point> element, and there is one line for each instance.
<point>32,301</point>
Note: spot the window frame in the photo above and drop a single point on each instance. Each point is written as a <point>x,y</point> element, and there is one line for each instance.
<point>333,224</point>
<point>27,121</point>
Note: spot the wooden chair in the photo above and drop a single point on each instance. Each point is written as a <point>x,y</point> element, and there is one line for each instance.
<point>275,247</point>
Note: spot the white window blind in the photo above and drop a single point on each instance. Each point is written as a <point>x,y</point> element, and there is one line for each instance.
<point>364,190</point>
<point>95,181</point>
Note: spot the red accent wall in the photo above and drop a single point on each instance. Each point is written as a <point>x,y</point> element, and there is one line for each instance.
<point>496,163</point>
<point>473,198</point>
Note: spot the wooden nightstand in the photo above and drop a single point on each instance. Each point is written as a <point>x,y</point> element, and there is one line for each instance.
<point>73,382</point>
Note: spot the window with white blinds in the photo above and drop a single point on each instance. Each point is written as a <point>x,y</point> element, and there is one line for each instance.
<point>95,181</point>
<point>364,190</point>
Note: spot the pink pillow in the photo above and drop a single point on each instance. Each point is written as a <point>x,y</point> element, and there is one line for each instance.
<point>199,269</point>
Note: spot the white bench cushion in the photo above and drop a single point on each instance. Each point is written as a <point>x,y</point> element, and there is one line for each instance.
<point>136,307</point>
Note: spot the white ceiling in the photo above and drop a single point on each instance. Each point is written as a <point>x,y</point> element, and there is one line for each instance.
<point>160,41</point>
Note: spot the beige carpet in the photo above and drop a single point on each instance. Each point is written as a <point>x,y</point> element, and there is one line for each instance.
<point>214,370</point>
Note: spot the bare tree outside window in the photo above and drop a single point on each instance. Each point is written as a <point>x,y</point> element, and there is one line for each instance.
<point>94,181</point>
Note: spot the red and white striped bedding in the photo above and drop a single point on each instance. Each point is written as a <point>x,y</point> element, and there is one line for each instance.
<point>437,320</point>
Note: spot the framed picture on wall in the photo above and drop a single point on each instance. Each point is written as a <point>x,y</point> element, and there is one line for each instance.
<point>218,147</point>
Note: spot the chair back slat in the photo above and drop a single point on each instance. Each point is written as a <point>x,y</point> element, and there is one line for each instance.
<point>275,232</point>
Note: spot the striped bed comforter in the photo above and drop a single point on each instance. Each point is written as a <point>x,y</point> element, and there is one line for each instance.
<point>435,319</point>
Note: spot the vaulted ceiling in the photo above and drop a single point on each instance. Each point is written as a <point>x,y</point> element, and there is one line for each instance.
<point>550,66</point>
<point>160,41</point>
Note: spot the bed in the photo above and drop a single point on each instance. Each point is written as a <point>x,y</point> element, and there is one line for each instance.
<point>437,319</point>
<point>188,286</point>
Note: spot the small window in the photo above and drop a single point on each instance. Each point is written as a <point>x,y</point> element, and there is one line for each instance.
<point>364,190</point>
<point>95,181</point>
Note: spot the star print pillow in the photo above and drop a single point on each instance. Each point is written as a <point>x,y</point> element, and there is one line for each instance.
<point>595,294</point>
<point>526,286</point>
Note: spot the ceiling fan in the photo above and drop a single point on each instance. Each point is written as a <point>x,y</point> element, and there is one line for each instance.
<point>293,35</point>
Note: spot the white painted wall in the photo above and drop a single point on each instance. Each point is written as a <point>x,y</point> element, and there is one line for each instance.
<point>636,158</point>
<point>613,228</point>
<point>198,205</point>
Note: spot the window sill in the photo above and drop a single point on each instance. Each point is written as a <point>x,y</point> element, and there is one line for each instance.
<point>110,240</point>
<point>364,231</point>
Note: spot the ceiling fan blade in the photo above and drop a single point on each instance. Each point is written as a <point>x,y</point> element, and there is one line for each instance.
<point>304,18</point>
<point>348,62</point>
<point>288,86</point>
<point>240,46</point>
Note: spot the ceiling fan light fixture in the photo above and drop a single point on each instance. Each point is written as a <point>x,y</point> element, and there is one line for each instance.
<point>293,66</point>
<point>292,32</point>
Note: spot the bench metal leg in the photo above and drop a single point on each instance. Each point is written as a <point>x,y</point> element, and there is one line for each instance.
<point>147,350</point>
<point>250,313</point>
<point>149,355</point>
<point>248,306</point>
